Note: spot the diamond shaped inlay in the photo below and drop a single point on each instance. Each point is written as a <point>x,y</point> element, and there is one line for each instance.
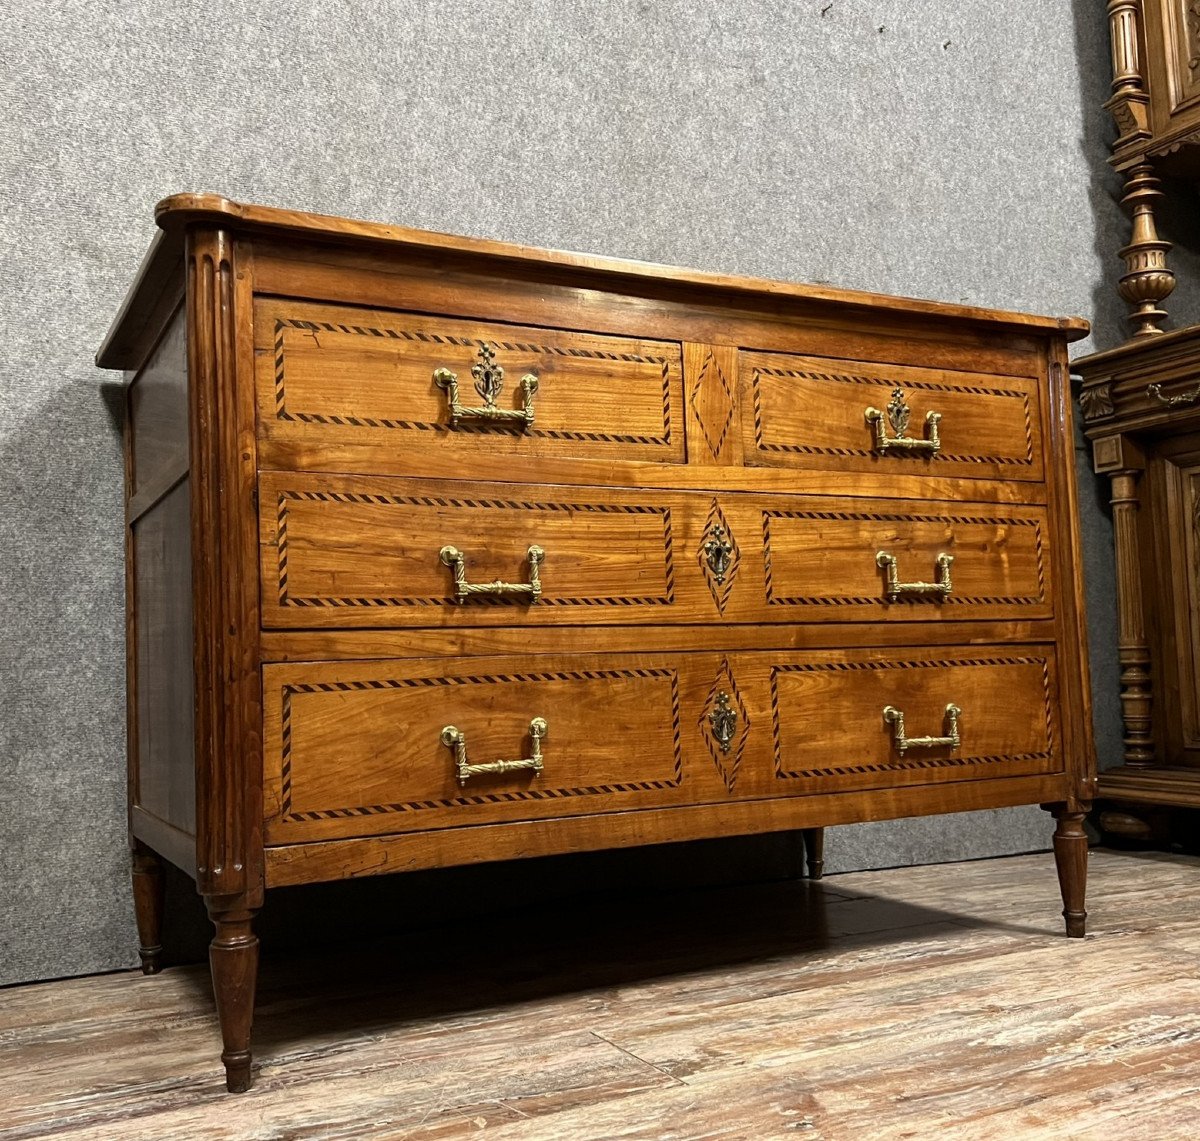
<point>712,401</point>
<point>725,725</point>
<point>719,556</point>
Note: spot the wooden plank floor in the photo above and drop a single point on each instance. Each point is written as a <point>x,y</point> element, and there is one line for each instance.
<point>875,1005</point>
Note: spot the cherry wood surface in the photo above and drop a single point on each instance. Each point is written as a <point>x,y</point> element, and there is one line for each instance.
<point>346,552</point>
<point>714,646</point>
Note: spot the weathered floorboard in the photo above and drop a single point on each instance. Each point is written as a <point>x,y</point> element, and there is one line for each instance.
<point>884,1005</point>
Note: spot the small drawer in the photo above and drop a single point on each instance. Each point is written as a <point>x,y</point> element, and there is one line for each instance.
<point>858,720</point>
<point>412,386</point>
<point>871,418</point>
<point>393,746</point>
<point>904,561</point>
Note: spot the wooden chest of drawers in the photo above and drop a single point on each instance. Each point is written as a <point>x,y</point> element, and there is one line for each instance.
<point>444,551</point>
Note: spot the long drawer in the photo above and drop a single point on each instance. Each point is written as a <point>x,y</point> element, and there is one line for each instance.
<point>366,748</point>
<point>871,418</point>
<point>421,386</point>
<point>341,551</point>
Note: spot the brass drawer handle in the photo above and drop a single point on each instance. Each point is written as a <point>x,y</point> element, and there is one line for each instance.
<point>897,415</point>
<point>1154,392</point>
<point>463,590</point>
<point>894,716</point>
<point>489,383</point>
<point>895,588</point>
<point>456,739</point>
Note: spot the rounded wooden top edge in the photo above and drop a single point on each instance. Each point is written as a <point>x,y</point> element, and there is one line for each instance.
<point>182,210</point>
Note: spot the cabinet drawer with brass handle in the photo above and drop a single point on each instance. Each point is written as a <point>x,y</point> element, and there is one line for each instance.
<point>895,420</point>
<point>357,551</point>
<point>906,561</point>
<point>331,378</point>
<point>392,746</point>
<point>892,718</point>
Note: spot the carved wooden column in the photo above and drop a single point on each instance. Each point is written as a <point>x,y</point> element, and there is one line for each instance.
<point>1116,457</point>
<point>1147,280</point>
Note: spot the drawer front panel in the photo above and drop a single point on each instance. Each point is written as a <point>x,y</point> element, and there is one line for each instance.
<point>368,552</point>
<point>341,552</point>
<point>904,561</point>
<point>835,719</point>
<point>329,375</point>
<point>813,412</point>
<point>362,748</point>
<point>370,748</point>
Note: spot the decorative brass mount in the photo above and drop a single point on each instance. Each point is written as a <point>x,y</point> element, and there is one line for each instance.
<point>454,738</point>
<point>718,553</point>
<point>723,718</point>
<point>489,383</point>
<point>1154,392</point>
<point>895,588</point>
<point>894,716</point>
<point>897,415</point>
<point>463,590</point>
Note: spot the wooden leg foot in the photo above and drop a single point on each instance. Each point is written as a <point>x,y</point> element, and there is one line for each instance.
<point>814,851</point>
<point>233,957</point>
<point>148,904</point>
<point>1070,856</point>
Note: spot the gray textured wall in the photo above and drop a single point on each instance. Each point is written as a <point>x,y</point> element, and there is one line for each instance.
<point>944,149</point>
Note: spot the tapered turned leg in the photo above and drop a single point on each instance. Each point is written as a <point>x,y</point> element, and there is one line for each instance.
<point>233,957</point>
<point>814,851</point>
<point>1070,855</point>
<point>148,903</point>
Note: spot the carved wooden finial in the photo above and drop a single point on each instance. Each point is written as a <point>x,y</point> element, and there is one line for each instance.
<point>1146,280</point>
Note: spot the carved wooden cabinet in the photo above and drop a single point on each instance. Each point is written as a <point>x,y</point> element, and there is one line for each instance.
<point>444,551</point>
<point>1141,408</point>
<point>1137,403</point>
<point>1156,107</point>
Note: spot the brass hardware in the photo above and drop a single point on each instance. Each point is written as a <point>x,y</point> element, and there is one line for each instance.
<point>723,718</point>
<point>894,716</point>
<point>896,588</point>
<point>1154,392</point>
<point>897,415</point>
<point>718,553</point>
<point>489,383</point>
<point>454,738</point>
<point>463,590</point>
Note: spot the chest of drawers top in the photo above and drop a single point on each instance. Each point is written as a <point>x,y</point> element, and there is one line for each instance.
<point>388,351</point>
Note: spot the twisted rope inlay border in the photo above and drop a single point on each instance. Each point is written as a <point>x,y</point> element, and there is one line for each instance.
<point>288,691</point>
<point>288,599</point>
<point>727,767</point>
<point>282,412</point>
<point>888,517</point>
<point>851,378</point>
<point>710,363</point>
<point>915,762</point>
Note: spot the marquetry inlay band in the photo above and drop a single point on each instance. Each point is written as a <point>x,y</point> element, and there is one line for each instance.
<point>880,517</point>
<point>917,762</point>
<point>510,796</point>
<point>284,412</point>
<point>289,598</point>
<point>921,385</point>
